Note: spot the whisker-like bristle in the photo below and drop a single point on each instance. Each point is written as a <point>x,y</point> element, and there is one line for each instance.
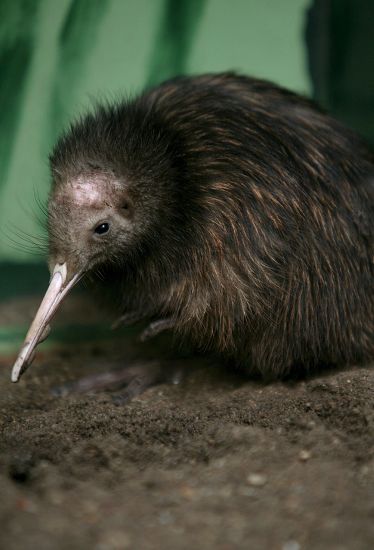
<point>42,215</point>
<point>26,242</point>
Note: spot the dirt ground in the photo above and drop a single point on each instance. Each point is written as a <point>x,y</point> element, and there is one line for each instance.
<point>215,461</point>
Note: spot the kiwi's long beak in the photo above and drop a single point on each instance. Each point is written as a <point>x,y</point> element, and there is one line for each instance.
<point>59,286</point>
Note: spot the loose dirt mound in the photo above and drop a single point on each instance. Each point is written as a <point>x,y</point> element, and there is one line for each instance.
<point>213,462</point>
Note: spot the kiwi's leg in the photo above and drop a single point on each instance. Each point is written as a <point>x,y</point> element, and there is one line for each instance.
<point>129,318</point>
<point>156,327</point>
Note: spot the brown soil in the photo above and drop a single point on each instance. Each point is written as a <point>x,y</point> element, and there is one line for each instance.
<point>213,462</point>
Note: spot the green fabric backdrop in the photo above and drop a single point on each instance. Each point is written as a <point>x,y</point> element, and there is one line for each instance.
<point>56,55</point>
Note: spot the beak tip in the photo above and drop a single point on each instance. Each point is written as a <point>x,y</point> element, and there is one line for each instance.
<point>21,363</point>
<point>16,373</point>
<point>39,328</point>
<point>19,368</point>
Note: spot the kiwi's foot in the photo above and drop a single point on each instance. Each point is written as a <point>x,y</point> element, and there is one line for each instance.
<point>134,379</point>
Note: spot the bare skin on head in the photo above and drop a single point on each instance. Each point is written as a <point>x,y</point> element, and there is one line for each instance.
<point>227,209</point>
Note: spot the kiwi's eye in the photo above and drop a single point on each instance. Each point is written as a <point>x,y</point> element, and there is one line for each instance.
<point>102,228</point>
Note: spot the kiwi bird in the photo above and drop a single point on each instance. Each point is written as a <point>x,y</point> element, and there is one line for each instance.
<point>225,208</point>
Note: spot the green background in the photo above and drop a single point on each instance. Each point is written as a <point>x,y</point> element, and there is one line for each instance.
<point>57,55</point>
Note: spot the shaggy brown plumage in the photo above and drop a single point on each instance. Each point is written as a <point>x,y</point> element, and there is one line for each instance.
<point>236,209</point>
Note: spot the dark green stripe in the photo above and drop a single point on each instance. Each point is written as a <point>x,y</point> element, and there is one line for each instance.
<point>11,337</point>
<point>76,40</point>
<point>22,279</point>
<point>17,28</point>
<point>174,39</point>
<point>340,56</point>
